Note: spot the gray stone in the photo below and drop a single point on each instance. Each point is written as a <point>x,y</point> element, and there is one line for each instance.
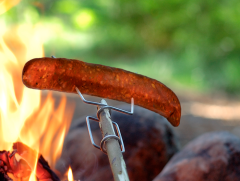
<point>148,138</point>
<point>210,157</point>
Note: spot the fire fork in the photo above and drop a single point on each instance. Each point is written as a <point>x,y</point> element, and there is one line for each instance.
<point>114,146</point>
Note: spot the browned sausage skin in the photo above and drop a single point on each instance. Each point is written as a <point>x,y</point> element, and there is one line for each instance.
<point>62,74</point>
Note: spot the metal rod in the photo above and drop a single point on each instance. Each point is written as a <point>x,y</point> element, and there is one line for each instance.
<point>119,137</point>
<point>88,102</point>
<point>113,149</point>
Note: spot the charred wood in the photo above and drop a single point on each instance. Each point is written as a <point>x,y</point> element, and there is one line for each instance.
<point>22,165</point>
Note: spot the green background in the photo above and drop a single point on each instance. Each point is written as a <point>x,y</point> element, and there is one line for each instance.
<point>186,44</point>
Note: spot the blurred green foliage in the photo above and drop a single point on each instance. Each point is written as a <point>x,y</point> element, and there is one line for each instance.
<point>189,42</point>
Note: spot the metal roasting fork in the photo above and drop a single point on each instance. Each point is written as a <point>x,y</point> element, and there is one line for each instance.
<point>114,146</point>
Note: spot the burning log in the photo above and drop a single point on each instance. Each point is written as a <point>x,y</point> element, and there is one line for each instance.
<point>21,163</point>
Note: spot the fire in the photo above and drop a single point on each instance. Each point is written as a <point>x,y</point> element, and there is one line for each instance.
<point>70,174</point>
<point>24,116</point>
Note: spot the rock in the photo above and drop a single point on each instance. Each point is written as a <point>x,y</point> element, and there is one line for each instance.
<point>212,156</point>
<point>149,142</point>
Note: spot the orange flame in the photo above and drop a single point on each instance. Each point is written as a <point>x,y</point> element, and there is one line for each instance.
<point>70,174</point>
<point>23,115</point>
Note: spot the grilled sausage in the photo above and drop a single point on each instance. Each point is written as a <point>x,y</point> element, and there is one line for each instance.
<point>62,74</point>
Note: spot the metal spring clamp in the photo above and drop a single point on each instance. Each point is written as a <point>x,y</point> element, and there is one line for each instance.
<point>105,106</point>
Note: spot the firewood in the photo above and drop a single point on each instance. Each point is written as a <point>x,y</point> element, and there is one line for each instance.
<point>22,166</point>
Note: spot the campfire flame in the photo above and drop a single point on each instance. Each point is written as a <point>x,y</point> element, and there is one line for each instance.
<point>70,174</point>
<point>24,116</point>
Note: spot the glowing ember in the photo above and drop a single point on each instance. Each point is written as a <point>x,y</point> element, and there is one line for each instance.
<point>70,174</point>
